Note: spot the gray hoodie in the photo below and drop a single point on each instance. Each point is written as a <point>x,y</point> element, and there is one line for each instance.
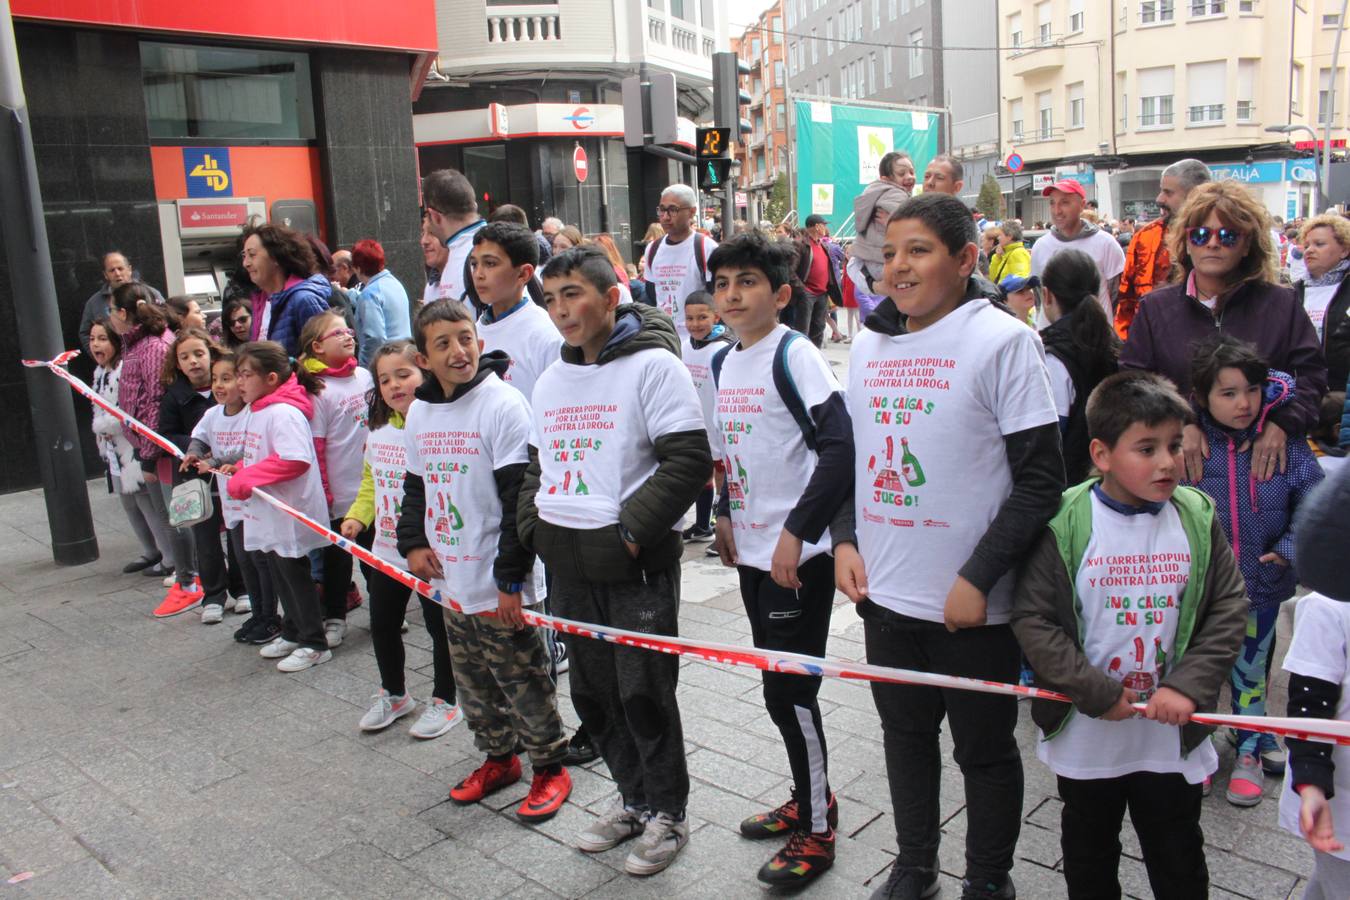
<point>879,195</point>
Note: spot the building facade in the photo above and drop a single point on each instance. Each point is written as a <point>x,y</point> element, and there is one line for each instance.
<point>523,90</point>
<point>970,89</point>
<point>159,129</point>
<point>763,154</point>
<point>1110,94</point>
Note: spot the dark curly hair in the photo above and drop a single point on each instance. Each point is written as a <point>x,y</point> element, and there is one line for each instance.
<point>288,248</point>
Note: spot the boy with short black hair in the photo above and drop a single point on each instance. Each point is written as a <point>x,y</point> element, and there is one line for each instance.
<point>467,435</point>
<point>1131,596</point>
<point>707,339</point>
<point>958,469</point>
<point>783,473</point>
<point>618,453</point>
<point>503,261</point>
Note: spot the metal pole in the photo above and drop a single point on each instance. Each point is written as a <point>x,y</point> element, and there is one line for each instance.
<point>1325,174</point>
<point>38,321</point>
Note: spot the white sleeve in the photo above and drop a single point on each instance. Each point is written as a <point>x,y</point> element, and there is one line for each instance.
<point>669,402</point>
<point>203,430</point>
<point>1114,264</point>
<point>412,459</point>
<point>811,373</point>
<point>509,442</point>
<point>323,414</point>
<point>1017,385</point>
<point>291,437</point>
<point>1061,386</point>
<point>1318,649</point>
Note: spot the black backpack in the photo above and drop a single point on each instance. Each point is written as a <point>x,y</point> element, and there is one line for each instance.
<point>782,382</point>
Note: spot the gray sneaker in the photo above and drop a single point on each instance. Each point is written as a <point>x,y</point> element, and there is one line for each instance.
<point>616,825</point>
<point>662,839</point>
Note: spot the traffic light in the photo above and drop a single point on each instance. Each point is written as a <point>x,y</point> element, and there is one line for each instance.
<point>728,98</point>
<point>713,174</point>
<point>712,147</point>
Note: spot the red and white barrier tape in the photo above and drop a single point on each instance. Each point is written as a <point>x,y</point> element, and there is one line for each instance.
<point>1332,730</point>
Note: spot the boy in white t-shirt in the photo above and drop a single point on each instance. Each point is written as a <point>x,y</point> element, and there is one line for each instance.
<point>503,260</point>
<point>781,491</point>
<point>1131,596</point>
<point>466,439</point>
<point>618,452</point>
<point>707,338</point>
<point>958,468</point>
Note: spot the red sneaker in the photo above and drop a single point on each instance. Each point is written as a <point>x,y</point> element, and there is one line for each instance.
<point>353,598</point>
<point>176,601</point>
<point>547,793</point>
<point>488,778</point>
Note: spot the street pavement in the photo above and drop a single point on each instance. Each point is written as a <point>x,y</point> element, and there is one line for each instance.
<point>158,758</point>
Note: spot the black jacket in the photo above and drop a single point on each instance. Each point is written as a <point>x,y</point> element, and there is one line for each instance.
<point>1335,334</point>
<point>180,409</point>
<point>513,562</point>
<point>1087,371</point>
<point>684,463</point>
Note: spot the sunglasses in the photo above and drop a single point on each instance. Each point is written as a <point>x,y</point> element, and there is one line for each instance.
<point>1199,237</point>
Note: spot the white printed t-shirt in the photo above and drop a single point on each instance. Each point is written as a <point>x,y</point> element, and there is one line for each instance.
<point>1102,247</point>
<point>699,363</point>
<point>595,427</point>
<point>529,337</point>
<point>388,460</point>
<point>281,429</point>
<point>456,448</point>
<point>1317,300</point>
<point>675,275</point>
<point>767,462</point>
<point>1129,585</point>
<point>224,434</point>
<point>339,419</point>
<point>930,410</point>
<point>1321,649</point>
<point>460,245</point>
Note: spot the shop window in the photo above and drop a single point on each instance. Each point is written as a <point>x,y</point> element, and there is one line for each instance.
<point>226,93</point>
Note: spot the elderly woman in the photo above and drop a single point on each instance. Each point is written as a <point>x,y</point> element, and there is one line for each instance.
<point>382,311</point>
<point>1225,272</point>
<point>1325,292</point>
<point>281,264</point>
<point>1013,258</point>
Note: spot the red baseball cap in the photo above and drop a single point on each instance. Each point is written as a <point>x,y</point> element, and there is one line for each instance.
<point>1067,186</point>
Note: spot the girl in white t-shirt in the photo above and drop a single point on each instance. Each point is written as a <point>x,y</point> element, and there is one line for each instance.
<point>378,505</point>
<point>279,456</point>
<point>339,424</point>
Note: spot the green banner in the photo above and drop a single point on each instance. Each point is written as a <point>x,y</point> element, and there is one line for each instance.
<point>839,146</point>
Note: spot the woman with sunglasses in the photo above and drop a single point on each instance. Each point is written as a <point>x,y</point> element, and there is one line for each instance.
<point>1325,291</point>
<point>1224,277</point>
<point>236,319</point>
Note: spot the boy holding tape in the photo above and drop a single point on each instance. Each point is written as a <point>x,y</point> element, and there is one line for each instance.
<point>1131,595</point>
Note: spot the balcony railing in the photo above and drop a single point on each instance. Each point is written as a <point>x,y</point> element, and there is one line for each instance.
<point>1155,120</point>
<point>527,23</point>
<point>1205,114</point>
<point>682,38</point>
<point>656,29</point>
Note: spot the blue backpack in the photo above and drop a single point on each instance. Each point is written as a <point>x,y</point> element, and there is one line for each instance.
<point>782,382</point>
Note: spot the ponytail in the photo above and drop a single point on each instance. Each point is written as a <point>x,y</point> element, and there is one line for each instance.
<point>270,358</point>
<point>1072,276</point>
<point>136,300</point>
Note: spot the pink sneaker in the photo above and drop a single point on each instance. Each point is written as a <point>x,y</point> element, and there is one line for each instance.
<point>1247,783</point>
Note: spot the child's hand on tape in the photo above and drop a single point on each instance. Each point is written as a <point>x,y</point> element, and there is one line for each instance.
<point>1169,707</point>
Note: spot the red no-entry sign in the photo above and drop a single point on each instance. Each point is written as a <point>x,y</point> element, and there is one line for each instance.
<point>580,165</point>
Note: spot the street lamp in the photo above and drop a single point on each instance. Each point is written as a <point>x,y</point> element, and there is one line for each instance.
<point>1321,170</point>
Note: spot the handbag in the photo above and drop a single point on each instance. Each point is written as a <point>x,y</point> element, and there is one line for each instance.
<point>190,503</point>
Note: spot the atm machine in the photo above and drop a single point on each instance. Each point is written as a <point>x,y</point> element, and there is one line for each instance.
<point>201,244</point>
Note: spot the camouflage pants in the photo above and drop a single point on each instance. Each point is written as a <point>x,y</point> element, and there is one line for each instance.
<point>504,687</point>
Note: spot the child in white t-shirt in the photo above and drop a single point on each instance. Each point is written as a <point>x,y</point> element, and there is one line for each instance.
<point>1131,596</point>
<point>375,512</point>
<point>503,260</point>
<point>786,442</point>
<point>707,338</point>
<point>958,467</point>
<point>279,456</point>
<point>339,423</point>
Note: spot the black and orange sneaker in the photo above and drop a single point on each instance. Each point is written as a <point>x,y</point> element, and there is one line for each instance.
<point>548,790</point>
<point>491,776</point>
<point>805,856</point>
<point>778,822</point>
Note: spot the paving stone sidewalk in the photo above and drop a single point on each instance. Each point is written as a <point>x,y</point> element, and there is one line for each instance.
<point>158,758</point>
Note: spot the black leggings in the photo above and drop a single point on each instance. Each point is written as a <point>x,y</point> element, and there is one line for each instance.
<point>337,578</point>
<point>388,606</point>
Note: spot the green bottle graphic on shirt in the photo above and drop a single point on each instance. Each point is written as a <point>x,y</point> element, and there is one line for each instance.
<point>581,486</point>
<point>909,465</point>
<point>742,476</point>
<point>1159,656</point>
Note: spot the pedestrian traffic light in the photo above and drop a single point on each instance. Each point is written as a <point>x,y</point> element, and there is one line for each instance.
<point>713,143</point>
<point>728,98</point>
<point>713,174</point>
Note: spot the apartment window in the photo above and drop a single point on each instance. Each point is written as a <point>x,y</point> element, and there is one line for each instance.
<point>756,48</point>
<point>1246,7</point>
<point>1296,89</point>
<point>1015,30</point>
<point>778,73</point>
<point>791,14</point>
<point>888,78</point>
<point>1045,116</point>
<point>1015,118</point>
<point>876,14</point>
<point>1246,90</point>
<point>1206,83</point>
<point>1156,90</point>
<point>1331,20</point>
<point>1207,7</point>
<point>792,57</point>
<point>777,26</point>
<point>780,114</point>
<point>1043,23</point>
<point>904,7</point>
<point>890,9</point>
<point>1075,16</point>
<point>829,37</point>
<point>1154,11</point>
<point>916,53</point>
<point>815,48</point>
<point>1324,98</point>
<point>1076,105</point>
<point>872,72</point>
<point>681,9</point>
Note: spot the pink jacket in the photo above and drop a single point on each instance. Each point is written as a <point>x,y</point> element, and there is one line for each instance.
<point>140,389</point>
<point>273,468</point>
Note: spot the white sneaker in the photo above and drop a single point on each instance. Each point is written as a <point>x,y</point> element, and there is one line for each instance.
<point>335,630</point>
<point>437,718</point>
<point>303,658</point>
<point>661,840</point>
<point>278,648</point>
<point>386,709</point>
<point>212,614</point>
<point>242,604</point>
<point>170,579</point>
